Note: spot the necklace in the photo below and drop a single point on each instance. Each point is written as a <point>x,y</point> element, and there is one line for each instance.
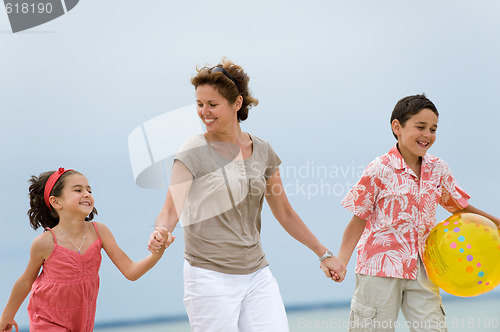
<point>229,148</point>
<point>83,240</point>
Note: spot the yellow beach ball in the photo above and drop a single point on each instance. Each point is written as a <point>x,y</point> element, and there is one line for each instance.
<point>462,255</point>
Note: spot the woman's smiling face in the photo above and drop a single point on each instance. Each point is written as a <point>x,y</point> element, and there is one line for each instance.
<point>214,110</point>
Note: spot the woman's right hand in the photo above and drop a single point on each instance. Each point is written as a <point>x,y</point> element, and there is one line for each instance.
<point>160,237</point>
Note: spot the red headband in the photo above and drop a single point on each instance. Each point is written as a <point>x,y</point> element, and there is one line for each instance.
<point>51,182</point>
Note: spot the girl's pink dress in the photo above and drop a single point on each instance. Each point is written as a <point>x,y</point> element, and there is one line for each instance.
<point>64,295</point>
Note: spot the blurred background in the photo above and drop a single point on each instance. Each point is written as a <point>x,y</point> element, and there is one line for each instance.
<point>327,74</point>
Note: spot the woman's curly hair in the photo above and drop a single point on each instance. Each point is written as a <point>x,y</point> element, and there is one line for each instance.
<point>227,87</point>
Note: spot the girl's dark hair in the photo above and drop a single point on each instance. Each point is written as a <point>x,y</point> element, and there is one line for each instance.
<point>408,106</point>
<point>39,213</point>
<point>230,84</point>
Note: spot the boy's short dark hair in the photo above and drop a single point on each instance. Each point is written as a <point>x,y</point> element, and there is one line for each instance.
<point>408,106</point>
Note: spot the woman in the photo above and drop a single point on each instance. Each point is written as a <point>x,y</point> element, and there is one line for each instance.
<point>219,180</point>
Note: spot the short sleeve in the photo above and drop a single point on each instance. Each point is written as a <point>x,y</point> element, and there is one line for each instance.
<point>453,198</point>
<point>360,200</point>
<point>273,161</point>
<point>190,154</point>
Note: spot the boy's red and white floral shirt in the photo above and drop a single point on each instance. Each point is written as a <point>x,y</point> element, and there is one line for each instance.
<point>400,210</point>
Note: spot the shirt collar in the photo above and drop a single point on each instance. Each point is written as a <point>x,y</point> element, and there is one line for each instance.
<point>397,161</point>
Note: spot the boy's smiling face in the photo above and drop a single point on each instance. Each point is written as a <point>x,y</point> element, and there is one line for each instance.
<point>417,135</point>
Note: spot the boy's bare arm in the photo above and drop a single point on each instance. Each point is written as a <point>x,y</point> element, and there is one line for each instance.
<point>472,209</point>
<point>351,237</point>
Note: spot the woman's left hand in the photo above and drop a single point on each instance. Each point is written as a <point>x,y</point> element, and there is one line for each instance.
<point>334,269</point>
<point>7,327</point>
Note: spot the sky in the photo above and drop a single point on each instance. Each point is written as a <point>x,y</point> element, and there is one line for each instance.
<point>327,74</point>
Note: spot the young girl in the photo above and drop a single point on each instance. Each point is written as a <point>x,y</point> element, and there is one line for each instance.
<point>64,294</point>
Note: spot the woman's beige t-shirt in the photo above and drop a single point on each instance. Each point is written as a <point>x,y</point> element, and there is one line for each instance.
<point>222,214</point>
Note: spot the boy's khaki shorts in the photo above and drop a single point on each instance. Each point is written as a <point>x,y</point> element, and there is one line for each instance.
<point>377,300</point>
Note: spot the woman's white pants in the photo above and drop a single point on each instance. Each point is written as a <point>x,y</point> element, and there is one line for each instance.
<point>228,302</point>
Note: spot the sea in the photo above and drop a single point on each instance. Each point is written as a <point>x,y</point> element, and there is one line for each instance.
<point>472,314</point>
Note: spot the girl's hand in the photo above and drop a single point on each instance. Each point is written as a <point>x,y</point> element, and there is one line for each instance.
<point>7,327</point>
<point>161,236</point>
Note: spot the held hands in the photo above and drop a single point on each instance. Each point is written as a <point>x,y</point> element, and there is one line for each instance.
<point>159,238</point>
<point>7,326</point>
<point>334,268</point>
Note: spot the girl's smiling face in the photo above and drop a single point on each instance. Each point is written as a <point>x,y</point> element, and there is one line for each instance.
<point>76,195</point>
<point>417,135</point>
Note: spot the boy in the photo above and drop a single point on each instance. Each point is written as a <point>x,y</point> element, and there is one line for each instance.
<point>394,205</point>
